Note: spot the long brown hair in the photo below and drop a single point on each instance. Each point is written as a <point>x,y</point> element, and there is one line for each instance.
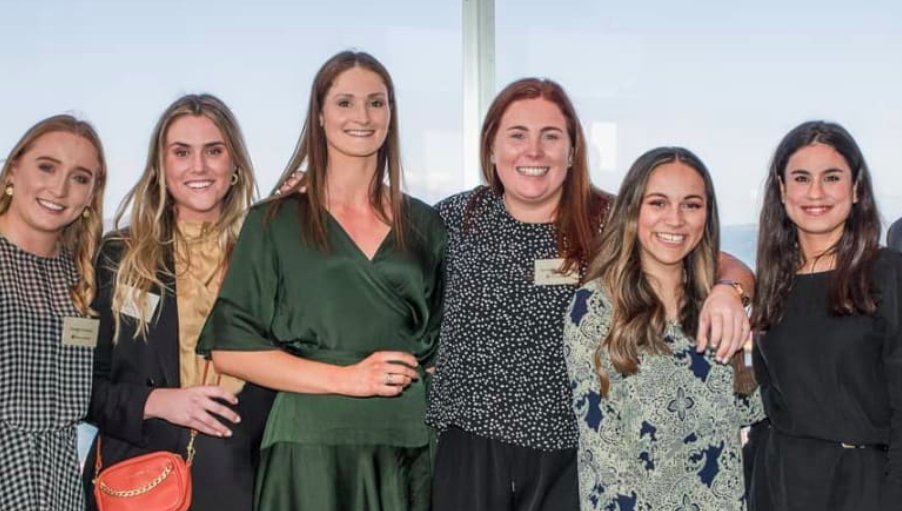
<point>582,207</point>
<point>312,150</point>
<point>151,212</point>
<point>851,288</point>
<point>82,237</point>
<point>638,316</point>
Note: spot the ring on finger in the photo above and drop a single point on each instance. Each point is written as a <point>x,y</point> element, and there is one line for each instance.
<point>388,378</point>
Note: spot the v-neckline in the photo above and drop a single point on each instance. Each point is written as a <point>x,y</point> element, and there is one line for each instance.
<point>359,251</point>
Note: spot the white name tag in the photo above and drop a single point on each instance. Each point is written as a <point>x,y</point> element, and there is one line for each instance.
<point>548,273</point>
<point>80,332</point>
<point>130,304</point>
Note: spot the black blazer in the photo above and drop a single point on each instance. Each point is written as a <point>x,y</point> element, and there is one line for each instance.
<point>894,236</point>
<point>126,372</point>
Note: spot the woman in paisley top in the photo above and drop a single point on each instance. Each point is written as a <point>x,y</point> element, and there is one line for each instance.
<point>658,421</point>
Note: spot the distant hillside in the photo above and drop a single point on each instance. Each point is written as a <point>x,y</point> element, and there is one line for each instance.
<point>740,241</point>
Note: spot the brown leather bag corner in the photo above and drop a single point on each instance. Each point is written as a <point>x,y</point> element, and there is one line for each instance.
<point>156,481</point>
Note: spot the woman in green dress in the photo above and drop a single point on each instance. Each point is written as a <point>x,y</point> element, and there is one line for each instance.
<point>333,299</point>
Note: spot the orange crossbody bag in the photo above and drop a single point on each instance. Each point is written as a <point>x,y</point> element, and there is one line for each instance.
<point>156,481</point>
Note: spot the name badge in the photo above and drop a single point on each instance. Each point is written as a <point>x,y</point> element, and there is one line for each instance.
<point>548,273</point>
<point>130,304</point>
<point>80,332</point>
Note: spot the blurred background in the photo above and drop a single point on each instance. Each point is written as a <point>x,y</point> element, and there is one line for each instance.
<point>724,79</point>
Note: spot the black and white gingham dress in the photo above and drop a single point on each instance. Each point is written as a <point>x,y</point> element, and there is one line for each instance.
<point>44,386</point>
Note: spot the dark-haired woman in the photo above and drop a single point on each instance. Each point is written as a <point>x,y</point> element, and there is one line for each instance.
<point>829,308</point>
<point>658,421</point>
<point>333,299</point>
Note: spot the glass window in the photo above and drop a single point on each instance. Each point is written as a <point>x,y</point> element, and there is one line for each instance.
<point>119,64</point>
<point>725,80</point>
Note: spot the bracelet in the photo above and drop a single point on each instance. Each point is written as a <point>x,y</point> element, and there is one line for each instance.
<point>737,286</point>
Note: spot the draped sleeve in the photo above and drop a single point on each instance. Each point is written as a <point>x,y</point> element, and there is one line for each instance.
<point>241,318</point>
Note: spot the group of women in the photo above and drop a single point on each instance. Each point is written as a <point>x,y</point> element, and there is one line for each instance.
<point>532,344</point>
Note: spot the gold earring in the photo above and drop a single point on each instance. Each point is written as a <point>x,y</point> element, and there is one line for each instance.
<point>86,213</point>
<point>9,190</point>
<point>235,177</point>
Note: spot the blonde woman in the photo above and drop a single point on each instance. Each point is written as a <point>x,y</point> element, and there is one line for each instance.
<point>158,278</point>
<point>50,225</point>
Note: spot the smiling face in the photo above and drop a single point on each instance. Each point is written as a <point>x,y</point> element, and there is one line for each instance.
<point>530,152</point>
<point>53,183</point>
<point>198,168</point>
<point>672,218</point>
<point>818,192</point>
<point>355,115</point>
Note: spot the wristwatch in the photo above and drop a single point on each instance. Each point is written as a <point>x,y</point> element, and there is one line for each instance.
<point>743,297</point>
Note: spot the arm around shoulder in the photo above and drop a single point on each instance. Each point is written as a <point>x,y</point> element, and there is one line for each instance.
<point>723,323</point>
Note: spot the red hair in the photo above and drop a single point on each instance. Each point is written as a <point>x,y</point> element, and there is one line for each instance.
<point>581,210</point>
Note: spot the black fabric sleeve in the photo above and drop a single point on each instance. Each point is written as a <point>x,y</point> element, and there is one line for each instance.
<point>436,292</point>
<point>891,296</point>
<point>116,408</point>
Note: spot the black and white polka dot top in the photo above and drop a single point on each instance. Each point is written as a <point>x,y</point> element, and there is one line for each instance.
<point>500,369</point>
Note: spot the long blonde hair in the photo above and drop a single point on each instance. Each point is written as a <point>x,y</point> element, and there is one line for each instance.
<point>638,316</point>
<point>82,237</point>
<point>151,229</point>
<point>312,149</point>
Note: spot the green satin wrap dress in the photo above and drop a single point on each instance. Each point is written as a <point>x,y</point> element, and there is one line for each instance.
<point>332,452</point>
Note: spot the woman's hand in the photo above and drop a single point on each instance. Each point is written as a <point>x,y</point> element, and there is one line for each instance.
<point>723,323</point>
<point>384,373</point>
<point>193,407</point>
<point>293,179</point>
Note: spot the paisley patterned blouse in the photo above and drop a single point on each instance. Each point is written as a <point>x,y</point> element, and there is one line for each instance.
<point>666,438</point>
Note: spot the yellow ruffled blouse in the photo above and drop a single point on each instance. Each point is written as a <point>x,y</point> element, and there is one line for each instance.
<point>199,268</point>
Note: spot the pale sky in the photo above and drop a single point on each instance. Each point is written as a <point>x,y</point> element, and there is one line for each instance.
<point>725,79</point>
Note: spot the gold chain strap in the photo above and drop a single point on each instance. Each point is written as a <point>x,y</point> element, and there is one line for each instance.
<point>127,494</point>
<point>190,449</point>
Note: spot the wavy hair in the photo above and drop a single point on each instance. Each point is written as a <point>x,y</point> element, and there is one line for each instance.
<point>312,153</point>
<point>638,316</point>
<point>150,207</point>
<point>582,207</point>
<point>82,237</point>
<point>851,289</point>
